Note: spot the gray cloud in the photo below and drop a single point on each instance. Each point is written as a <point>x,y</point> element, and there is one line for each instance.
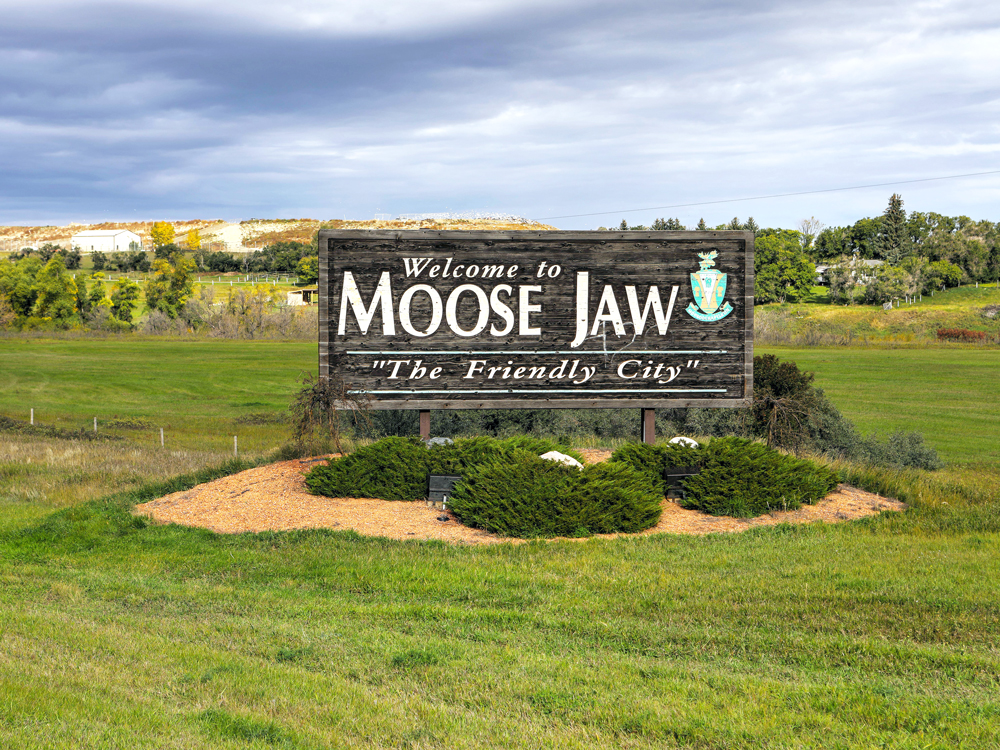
<point>544,109</point>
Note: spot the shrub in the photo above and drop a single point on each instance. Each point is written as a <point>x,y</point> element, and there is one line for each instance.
<point>527,496</point>
<point>616,497</point>
<point>961,334</point>
<point>524,496</point>
<point>741,478</point>
<point>900,449</point>
<point>654,461</point>
<point>391,469</point>
<point>397,468</point>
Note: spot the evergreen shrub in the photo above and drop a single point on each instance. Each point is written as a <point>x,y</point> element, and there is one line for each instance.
<point>655,460</point>
<point>527,496</point>
<point>397,468</point>
<point>741,478</point>
<point>394,468</point>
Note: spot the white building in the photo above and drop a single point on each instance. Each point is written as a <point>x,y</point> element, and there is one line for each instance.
<point>105,240</point>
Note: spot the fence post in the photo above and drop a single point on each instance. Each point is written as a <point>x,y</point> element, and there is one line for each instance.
<point>425,424</point>
<point>32,416</point>
<point>235,451</point>
<point>95,424</point>
<point>161,437</point>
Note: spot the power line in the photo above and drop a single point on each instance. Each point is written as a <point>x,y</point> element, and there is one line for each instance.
<point>776,195</point>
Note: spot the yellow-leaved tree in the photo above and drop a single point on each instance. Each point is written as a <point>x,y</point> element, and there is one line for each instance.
<point>194,240</point>
<point>162,233</point>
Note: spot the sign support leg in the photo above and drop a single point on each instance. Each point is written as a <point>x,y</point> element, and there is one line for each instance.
<point>425,424</point>
<point>648,429</point>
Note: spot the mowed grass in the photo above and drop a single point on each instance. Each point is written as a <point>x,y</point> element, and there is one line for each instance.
<point>196,389</point>
<point>114,633</point>
<point>201,392</point>
<point>949,394</point>
<point>875,634</point>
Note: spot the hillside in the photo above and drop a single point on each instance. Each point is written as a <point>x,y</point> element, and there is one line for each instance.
<point>251,233</point>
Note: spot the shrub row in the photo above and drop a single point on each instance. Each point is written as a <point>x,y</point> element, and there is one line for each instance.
<point>397,468</point>
<point>961,334</point>
<point>507,488</point>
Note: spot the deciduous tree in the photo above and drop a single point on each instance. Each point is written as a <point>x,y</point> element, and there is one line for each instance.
<point>171,285</point>
<point>124,297</point>
<point>162,233</point>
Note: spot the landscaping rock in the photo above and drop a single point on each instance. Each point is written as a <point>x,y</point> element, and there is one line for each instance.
<point>562,458</point>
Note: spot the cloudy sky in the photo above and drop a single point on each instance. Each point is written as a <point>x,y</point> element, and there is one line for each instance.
<point>150,109</point>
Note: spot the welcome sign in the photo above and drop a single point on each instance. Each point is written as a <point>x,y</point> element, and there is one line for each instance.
<point>476,320</point>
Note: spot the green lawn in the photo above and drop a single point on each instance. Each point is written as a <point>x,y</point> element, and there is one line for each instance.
<point>194,388</point>
<point>879,633</point>
<point>951,395</point>
<point>868,635</point>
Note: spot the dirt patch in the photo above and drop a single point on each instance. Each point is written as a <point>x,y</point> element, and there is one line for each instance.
<point>275,498</point>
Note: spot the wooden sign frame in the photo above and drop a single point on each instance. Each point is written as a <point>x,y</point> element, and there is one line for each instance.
<point>530,320</point>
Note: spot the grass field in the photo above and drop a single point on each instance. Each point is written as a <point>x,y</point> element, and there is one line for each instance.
<point>816,321</point>
<point>951,395</point>
<point>879,633</point>
<point>197,389</point>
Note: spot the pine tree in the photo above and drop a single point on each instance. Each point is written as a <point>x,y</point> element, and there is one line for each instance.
<point>702,225</point>
<point>893,238</point>
<point>751,225</point>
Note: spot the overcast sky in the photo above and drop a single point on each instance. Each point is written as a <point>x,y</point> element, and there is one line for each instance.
<point>179,109</point>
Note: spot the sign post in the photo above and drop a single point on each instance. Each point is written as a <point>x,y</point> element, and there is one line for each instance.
<point>528,320</point>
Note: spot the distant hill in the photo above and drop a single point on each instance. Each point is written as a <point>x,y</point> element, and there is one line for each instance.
<point>252,232</point>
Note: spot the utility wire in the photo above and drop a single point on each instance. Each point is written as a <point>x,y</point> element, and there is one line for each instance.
<point>764,197</point>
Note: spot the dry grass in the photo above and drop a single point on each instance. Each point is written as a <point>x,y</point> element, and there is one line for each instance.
<point>302,230</point>
<point>22,236</point>
<point>51,473</point>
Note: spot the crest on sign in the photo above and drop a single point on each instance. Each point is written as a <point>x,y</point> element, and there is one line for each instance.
<point>709,287</point>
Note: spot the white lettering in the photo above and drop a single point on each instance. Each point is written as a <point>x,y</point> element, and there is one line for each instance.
<point>582,305</point>
<point>382,298</point>
<point>451,310</point>
<point>501,309</point>
<point>404,310</point>
<point>475,366</point>
<point>525,309</point>
<point>612,315</point>
<point>621,368</point>
<point>415,266</point>
<point>652,300</point>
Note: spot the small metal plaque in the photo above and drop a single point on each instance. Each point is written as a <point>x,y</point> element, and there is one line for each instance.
<point>439,488</point>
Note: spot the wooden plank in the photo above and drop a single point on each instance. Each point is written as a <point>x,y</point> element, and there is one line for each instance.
<point>428,319</point>
<point>648,423</point>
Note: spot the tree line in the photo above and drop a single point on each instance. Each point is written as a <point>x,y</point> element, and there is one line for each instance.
<point>875,260</point>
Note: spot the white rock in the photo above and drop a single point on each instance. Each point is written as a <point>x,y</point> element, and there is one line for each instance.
<point>562,458</point>
<point>685,441</point>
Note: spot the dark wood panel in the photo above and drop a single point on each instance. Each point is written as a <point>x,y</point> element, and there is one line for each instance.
<point>537,319</point>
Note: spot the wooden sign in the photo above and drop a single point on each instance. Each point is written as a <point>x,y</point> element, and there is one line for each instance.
<point>484,320</point>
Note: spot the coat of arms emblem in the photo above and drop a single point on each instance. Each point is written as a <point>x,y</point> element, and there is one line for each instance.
<point>709,286</point>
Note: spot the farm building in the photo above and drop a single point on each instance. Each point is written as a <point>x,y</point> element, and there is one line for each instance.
<point>300,297</point>
<point>105,240</point>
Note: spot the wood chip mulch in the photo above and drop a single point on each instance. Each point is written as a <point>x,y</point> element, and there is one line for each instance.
<point>275,498</point>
